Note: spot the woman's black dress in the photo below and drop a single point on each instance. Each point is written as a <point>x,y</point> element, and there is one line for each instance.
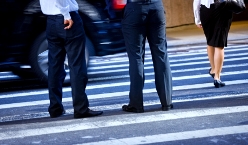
<point>216,23</point>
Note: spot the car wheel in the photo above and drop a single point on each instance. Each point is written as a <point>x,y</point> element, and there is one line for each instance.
<point>39,58</point>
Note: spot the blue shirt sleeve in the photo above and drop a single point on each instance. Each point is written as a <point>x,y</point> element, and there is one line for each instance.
<point>63,6</point>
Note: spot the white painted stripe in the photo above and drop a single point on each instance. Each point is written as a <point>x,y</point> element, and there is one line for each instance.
<point>172,65</point>
<point>205,57</point>
<point>101,60</point>
<point>174,78</point>
<point>177,71</point>
<point>185,87</point>
<point>115,106</point>
<point>122,120</point>
<point>115,60</point>
<point>151,67</point>
<point>120,94</point>
<point>174,136</point>
<point>171,61</point>
<point>107,61</point>
<point>67,89</point>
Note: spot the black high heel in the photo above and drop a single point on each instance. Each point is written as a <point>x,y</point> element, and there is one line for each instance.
<point>218,83</point>
<point>210,73</point>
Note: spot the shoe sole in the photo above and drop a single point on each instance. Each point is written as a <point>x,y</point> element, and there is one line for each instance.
<point>168,108</point>
<point>132,109</point>
<point>87,116</point>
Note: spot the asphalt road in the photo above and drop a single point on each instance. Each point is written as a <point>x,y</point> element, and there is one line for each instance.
<point>202,114</point>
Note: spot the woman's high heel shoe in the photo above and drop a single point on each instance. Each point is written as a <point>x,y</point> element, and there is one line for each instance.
<point>210,73</point>
<point>218,84</point>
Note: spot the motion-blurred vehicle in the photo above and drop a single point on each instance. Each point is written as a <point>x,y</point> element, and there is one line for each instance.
<point>23,44</point>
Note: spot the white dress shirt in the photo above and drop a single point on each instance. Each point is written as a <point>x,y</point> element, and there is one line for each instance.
<point>55,7</point>
<point>196,7</point>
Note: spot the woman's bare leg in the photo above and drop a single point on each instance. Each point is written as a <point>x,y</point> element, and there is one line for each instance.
<point>218,61</point>
<point>211,51</point>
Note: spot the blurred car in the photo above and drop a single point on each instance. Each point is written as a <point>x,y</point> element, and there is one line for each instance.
<point>23,44</point>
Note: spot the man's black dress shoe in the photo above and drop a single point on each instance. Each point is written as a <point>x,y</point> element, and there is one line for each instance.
<point>54,115</point>
<point>128,108</point>
<point>89,113</point>
<point>218,83</point>
<point>210,73</point>
<point>167,108</point>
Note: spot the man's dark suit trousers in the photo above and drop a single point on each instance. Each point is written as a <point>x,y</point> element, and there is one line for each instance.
<point>69,42</point>
<point>143,20</point>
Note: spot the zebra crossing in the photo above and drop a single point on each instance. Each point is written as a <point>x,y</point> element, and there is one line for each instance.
<point>202,113</point>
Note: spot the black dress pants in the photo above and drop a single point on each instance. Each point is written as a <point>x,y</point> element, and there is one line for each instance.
<point>147,20</point>
<point>69,42</point>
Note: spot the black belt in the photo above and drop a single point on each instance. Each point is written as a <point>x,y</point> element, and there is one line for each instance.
<point>142,1</point>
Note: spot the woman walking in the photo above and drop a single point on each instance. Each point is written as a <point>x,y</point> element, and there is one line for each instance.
<point>215,20</point>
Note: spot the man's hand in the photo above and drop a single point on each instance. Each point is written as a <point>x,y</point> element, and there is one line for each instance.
<point>68,23</point>
<point>199,25</point>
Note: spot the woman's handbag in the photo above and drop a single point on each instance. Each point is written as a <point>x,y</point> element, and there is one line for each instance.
<point>236,6</point>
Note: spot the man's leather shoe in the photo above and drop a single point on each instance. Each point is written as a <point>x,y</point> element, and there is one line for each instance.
<point>128,108</point>
<point>55,115</point>
<point>167,108</point>
<point>89,113</point>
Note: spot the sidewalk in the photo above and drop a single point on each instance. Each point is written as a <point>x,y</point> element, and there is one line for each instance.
<point>192,35</point>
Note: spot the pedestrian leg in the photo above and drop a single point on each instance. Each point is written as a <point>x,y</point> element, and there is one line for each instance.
<point>211,51</point>
<point>158,45</point>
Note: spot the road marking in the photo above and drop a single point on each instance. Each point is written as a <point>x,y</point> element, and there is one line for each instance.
<point>198,76</point>
<point>68,89</point>
<point>93,71</point>
<point>173,71</point>
<point>119,94</point>
<point>171,65</point>
<point>152,73</point>
<point>103,60</point>
<point>116,106</point>
<point>174,136</point>
<point>106,58</point>
<point>148,51</point>
<point>81,124</point>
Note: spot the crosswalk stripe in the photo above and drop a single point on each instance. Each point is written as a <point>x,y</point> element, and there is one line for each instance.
<point>80,125</point>
<point>151,67</point>
<point>118,106</point>
<point>178,78</point>
<point>67,89</point>
<point>126,60</point>
<point>173,71</point>
<point>172,65</point>
<point>205,57</point>
<point>147,74</point>
<point>148,57</point>
<point>184,135</point>
<point>119,94</point>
